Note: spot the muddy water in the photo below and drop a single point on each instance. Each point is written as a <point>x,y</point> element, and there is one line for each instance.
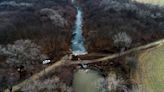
<point>86,80</point>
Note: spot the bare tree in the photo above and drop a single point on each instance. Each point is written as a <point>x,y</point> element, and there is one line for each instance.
<point>13,3</point>
<point>101,84</point>
<point>48,85</point>
<point>131,5</point>
<point>54,16</point>
<point>22,53</point>
<point>122,40</point>
<point>115,82</point>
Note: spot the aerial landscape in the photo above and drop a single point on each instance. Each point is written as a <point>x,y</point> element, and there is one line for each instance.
<point>81,45</point>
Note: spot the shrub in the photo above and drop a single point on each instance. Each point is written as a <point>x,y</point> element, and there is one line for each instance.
<point>122,40</point>
<point>130,5</point>
<point>101,84</point>
<point>22,52</point>
<point>15,4</point>
<point>47,85</point>
<point>54,16</point>
<point>132,63</point>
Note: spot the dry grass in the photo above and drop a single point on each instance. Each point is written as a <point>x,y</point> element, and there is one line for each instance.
<point>151,70</point>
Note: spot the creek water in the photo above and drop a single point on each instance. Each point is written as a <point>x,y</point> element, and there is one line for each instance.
<point>85,80</point>
<point>78,47</point>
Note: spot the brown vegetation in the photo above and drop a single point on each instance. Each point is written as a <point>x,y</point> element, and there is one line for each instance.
<point>106,18</point>
<point>47,24</point>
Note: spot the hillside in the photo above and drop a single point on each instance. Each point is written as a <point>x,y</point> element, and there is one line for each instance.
<point>81,45</point>
<point>48,23</point>
<point>106,18</point>
<point>31,30</point>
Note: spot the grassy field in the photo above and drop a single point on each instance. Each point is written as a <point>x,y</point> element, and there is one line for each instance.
<point>155,2</point>
<point>151,70</point>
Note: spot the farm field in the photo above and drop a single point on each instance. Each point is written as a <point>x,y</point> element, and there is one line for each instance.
<point>151,70</point>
